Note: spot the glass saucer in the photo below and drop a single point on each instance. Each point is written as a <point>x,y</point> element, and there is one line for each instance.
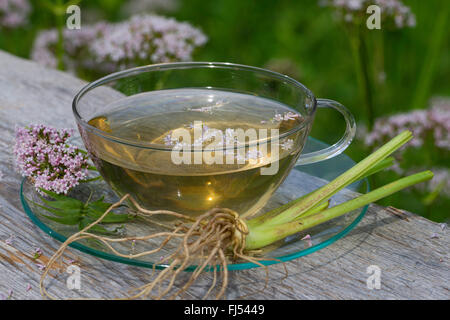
<point>290,248</point>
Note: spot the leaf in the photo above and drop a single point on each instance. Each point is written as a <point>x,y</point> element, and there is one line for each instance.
<point>65,220</point>
<point>61,213</point>
<point>109,218</point>
<point>97,228</point>
<point>92,179</point>
<point>70,204</point>
<point>56,196</point>
<point>97,208</point>
<point>67,206</point>
<point>99,205</point>
<point>71,211</point>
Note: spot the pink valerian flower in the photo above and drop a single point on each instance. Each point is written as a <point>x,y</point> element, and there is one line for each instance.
<point>41,51</point>
<point>430,127</point>
<point>308,239</point>
<point>10,240</point>
<point>354,11</point>
<point>434,122</point>
<point>43,155</point>
<point>108,47</point>
<point>3,297</point>
<point>40,266</point>
<point>37,253</point>
<point>14,13</point>
<point>76,46</point>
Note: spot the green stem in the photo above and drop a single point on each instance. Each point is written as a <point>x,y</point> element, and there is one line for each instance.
<point>270,214</point>
<point>361,57</point>
<point>320,207</point>
<point>425,78</point>
<point>357,171</point>
<point>60,27</point>
<point>92,179</point>
<point>386,163</point>
<point>264,235</point>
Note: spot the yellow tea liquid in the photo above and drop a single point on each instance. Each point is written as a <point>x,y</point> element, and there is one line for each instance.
<point>149,174</point>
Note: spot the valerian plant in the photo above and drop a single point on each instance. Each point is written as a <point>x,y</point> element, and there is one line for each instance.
<point>353,16</point>
<point>14,13</point>
<point>106,47</point>
<point>207,241</point>
<point>54,166</point>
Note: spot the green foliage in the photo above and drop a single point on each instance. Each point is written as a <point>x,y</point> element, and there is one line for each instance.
<point>70,211</point>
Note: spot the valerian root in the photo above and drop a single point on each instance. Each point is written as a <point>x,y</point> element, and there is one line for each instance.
<point>206,242</point>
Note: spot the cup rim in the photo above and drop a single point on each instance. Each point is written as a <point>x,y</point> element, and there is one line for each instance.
<point>185,65</point>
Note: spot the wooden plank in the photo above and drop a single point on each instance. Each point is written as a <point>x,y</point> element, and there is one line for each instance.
<point>411,252</point>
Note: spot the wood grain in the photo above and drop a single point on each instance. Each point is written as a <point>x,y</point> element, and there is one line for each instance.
<point>412,252</point>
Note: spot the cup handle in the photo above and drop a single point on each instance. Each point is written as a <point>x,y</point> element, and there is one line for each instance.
<point>339,146</point>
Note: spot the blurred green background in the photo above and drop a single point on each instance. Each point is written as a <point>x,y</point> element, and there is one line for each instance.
<point>305,40</point>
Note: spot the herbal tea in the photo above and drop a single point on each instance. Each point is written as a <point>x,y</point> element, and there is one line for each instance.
<point>149,173</point>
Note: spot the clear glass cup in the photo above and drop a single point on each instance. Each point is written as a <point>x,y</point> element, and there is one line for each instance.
<point>145,168</point>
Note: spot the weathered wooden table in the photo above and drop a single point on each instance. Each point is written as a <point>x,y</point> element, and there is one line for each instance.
<point>411,252</point>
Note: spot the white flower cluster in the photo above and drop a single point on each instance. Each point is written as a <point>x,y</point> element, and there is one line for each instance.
<point>284,117</point>
<point>108,47</point>
<point>209,135</point>
<point>221,139</point>
<point>287,145</point>
<point>14,13</point>
<point>353,10</point>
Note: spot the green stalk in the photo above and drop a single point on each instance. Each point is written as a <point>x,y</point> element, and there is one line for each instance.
<point>342,181</point>
<point>272,213</point>
<point>386,163</point>
<point>58,9</point>
<point>264,235</point>
<point>60,28</point>
<point>320,207</point>
<point>361,57</point>
<point>431,59</point>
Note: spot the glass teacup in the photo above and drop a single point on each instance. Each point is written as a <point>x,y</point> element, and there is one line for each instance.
<point>192,136</point>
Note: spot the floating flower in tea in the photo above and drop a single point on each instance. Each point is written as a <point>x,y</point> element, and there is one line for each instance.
<point>287,145</point>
